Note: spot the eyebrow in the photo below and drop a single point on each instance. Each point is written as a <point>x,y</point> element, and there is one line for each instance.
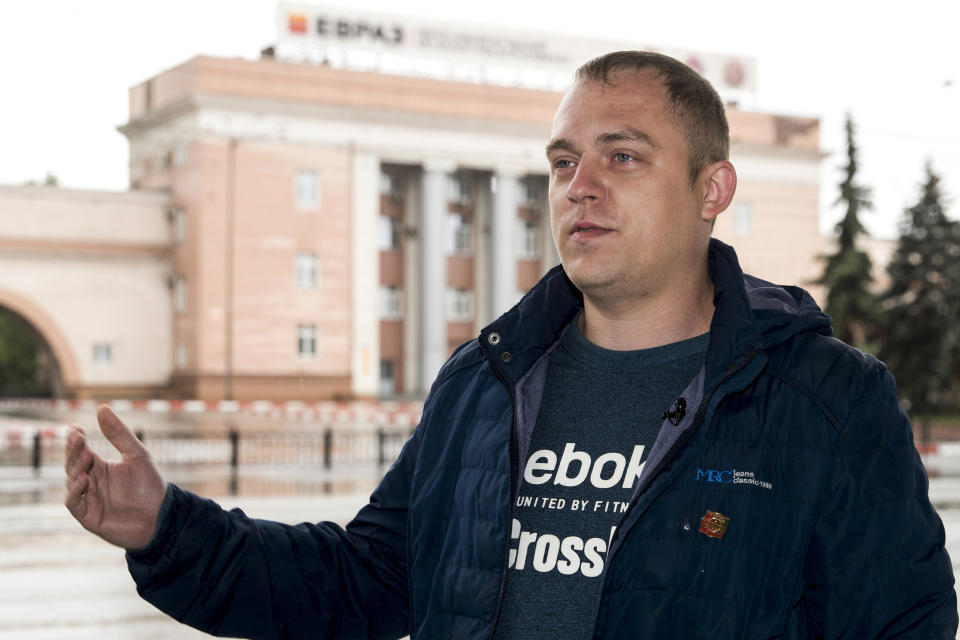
<point>627,135</point>
<point>560,144</point>
<point>623,135</point>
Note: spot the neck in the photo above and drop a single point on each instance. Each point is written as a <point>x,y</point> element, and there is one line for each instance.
<point>650,321</point>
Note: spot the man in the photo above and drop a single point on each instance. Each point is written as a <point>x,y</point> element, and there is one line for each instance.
<point>650,444</point>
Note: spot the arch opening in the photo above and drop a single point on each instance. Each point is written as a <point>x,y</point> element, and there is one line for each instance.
<point>28,366</point>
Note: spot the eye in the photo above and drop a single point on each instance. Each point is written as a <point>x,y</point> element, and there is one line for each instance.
<point>623,157</point>
<point>562,164</point>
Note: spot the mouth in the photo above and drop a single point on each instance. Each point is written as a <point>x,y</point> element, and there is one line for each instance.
<point>587,229</point>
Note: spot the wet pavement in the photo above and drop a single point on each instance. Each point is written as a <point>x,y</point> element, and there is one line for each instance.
<point>61,583</point>
<point>58,582</point>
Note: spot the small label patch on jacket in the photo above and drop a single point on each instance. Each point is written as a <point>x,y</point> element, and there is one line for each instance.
<point>714,524</point>
<point>731,476</point>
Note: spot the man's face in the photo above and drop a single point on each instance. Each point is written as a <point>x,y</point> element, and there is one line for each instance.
<point>626,221</point>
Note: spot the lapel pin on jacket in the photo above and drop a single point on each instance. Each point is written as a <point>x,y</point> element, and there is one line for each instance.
<point>714,524</point>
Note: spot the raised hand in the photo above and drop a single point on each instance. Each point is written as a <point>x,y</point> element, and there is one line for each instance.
<point>118,501</point>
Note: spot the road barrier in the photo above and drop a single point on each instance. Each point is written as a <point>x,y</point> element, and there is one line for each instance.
<point>323,447</point>
<point>386,412</point>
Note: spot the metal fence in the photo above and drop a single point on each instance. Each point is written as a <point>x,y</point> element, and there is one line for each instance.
<point>327,448</point>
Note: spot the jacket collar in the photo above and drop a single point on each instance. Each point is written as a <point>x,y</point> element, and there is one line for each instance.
<point>516,340</point>
<point>522,335</point>
<point>734,337</point>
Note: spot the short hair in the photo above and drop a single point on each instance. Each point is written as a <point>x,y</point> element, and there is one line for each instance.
<point>694,102</point>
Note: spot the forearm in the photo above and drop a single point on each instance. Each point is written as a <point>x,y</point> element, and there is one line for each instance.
<point>196,566</point>
<point>227,574</point>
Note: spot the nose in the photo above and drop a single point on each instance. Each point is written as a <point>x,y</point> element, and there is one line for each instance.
<point>586,183</point>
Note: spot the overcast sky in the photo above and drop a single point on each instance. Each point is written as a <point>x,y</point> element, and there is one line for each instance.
<point>65,68</point>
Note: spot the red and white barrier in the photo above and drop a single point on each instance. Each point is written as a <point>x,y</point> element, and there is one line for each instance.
<point>405,413</point>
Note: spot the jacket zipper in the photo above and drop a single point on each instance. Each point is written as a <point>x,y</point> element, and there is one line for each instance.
<point>510,453</point>
<point>695,425</point>
<point>679,444</point>
<point>633,501</point>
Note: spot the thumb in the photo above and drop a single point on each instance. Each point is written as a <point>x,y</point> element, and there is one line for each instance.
<point>118,433</point>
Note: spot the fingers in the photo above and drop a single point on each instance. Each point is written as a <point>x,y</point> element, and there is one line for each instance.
<point>77,455</point>
<point>73,445</point>
<point>78,465</point>
<point>118,433</point>
<point>76,500</point>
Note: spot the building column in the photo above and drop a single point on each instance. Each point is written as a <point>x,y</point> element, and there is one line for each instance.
<point>503,232</point>
<point>482,213</point>
<point>433,269</point>
<point>365,276</point>
<point>411,283</point>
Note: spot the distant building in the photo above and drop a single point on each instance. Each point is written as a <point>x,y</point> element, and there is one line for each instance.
<point>306,231</point>
<point>90,272</point>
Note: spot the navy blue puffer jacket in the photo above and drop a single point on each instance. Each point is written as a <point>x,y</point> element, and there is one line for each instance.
<point>795,437</point>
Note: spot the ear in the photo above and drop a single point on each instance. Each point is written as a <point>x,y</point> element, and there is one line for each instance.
<point>719,187</point>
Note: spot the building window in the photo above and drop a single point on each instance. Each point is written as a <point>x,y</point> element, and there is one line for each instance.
<point>102,353</point>
<point>307,341</point>
<point>458,189</point>
<point>181,356</point>
<point>391,303</point>
<point>136,169</point>
<point>528,240</point>
<point>178,219</point>
<point>386,184</point>
<point>459,235</point>
<point>389,233</point>
<point>392,185</point>
<point>388,378</point>
<point>459,304</point>
<point>529,192</point>
<point>179,294</point>
<point>307,270</point>
<point>307,189</point>
<point>743,219</point>
<point>180,153</point>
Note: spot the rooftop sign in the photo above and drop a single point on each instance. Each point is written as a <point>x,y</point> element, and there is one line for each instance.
<point>351,39</point>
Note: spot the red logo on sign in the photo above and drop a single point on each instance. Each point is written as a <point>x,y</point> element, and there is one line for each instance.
<point>297,23</point>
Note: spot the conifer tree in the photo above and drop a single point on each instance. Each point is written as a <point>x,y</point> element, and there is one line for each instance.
<point>846,275</point>
<point>921,328</point>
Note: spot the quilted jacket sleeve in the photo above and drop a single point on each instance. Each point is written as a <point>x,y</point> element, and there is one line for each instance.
<point>876,566</point>
<point>230,575</point>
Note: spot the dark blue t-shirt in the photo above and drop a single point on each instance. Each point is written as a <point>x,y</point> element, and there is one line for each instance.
<point>600,414</point>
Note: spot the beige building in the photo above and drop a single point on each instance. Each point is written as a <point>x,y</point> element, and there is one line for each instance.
<point>90,273</point>
<point>304,231</point>
<point>341,231</point>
